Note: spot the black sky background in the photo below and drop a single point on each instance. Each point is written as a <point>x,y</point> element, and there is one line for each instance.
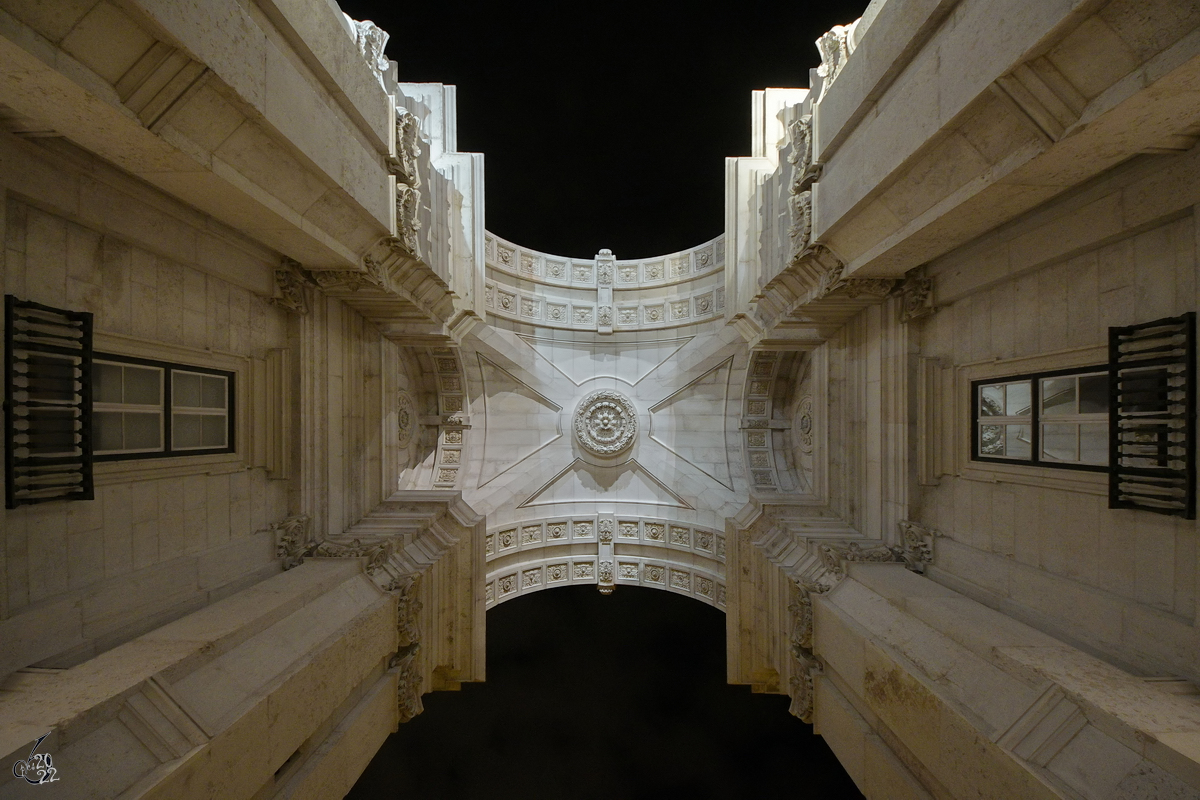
<point>605,125</point>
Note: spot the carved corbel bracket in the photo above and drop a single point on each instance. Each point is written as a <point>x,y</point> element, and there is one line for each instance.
<point>291,282</point>
<point>408,683</point>
<point>292,540</point>
<point>835,46</point>
<point>371,41</point>
<point>805,667</point>
<point>916,297</point>
<point>408,149</point>
<point>916,545</point>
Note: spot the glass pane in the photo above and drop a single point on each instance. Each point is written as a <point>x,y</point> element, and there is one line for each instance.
<point>143,431</point>
<point>106,430</point>
<point>991,401</point>
<point>185,388</point>
<point>1093,394</point>
<point>213,392</point>
<point>1059,441</point>
<point>1093,444</point>
<point>213,431</point>
<point>143,385</point>
<point>106,383</point>
<point>1018,399</point>
<point>1058,396</point>
<point>1017,441</point>
<point>186,431</point>
<point>991,440</point>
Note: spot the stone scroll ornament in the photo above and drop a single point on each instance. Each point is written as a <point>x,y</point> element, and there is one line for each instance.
<point>835,46</point>
<point>605,423</point>
<point>371,41</point>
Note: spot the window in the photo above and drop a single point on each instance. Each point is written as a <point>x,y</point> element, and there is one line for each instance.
<point>1051,419</point>
<point>148,409</point>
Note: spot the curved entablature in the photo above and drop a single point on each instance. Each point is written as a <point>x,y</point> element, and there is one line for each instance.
<point>605,551</point>
<point>604,294</point>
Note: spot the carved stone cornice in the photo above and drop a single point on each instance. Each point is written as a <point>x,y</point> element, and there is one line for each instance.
<point>372,275</point>
<point>836,556</point>
<point>875,288</point>
<point>400,539</point>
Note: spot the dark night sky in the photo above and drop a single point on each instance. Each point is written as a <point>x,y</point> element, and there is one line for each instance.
<point>605,125</point>
<point>612,698</point>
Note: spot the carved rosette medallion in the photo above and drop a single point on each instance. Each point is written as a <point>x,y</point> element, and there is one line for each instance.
<point>605,423</point>
<point>804,424</point>
<point>406,418</point>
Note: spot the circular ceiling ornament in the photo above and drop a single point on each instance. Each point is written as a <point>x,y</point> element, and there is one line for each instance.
<point>605,422</point>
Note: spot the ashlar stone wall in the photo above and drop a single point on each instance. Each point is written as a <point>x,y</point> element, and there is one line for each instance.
<point>167,283</point>
<point>1040,294</point>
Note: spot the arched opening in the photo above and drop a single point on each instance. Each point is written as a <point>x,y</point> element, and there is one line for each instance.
<point>619,696</point>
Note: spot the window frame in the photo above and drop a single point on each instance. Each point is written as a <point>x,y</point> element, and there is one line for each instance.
<point>1035,418</point>
<point>167,368</point>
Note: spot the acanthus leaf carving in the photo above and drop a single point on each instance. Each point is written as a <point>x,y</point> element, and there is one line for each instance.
<point>916,297</point>
<point>292,285</point>
<point>805,663</point>
<point>408,683</point>
<point>408,149</point>
<point>292,540</point>
<point>407,608</point>
<point>835,46</point>
<point>371,41</point>
<point>916,545</point>
<point>834,556</point>
<point>376,553</point>
<point>804,170</point>
<point>830,281</point>
<point>871,287</point>
<point>800,229</point>
<point>801,634</point>
<point>804,667</point>
<point>408,222</point>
